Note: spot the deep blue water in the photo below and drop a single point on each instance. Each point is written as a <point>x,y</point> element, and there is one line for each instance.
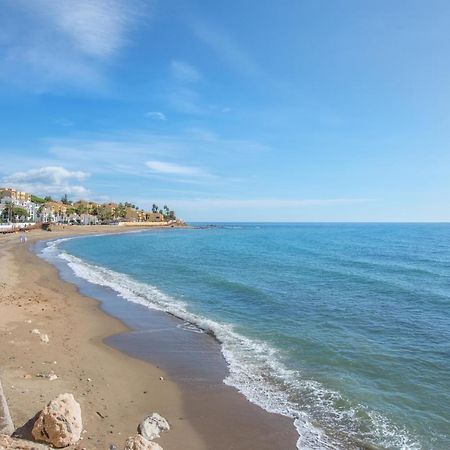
<point>344,327</point>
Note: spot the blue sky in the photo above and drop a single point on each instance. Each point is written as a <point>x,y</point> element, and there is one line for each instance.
<point>240,110</point>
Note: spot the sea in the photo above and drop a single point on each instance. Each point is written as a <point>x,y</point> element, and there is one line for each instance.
<point>345,328</point>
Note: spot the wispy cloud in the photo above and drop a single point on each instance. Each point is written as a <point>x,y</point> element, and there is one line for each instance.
<point>163,167</point>
<point>64,42</point>
<point>49,180</point>
<point>208,155</point>
<point>183,95</point>
<point>224,46</point>
<point>184,72</point>
<point>156,115</point>
<point>267,204</point>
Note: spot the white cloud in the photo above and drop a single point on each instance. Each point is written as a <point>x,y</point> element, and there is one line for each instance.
<point>49,42</point>
<point>175,169</point>
<point>184,72</point>
<point>49,180</point>
<point>156,115</point>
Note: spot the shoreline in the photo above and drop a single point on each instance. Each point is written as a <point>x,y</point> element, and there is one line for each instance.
<point>204,413</point>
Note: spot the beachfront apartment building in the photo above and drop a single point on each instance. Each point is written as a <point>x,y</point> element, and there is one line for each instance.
<point>14,194</point>
<point>10,197</point>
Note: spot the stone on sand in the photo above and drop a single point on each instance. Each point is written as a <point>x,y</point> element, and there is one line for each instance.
<point>44,338</point>
<point>152,426</point>
<point>59,423</point>
<point>10,443</point>
<point>138,442</point>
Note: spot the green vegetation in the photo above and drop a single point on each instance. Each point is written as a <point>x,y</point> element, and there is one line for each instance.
<point>21,212</point>
<point>36,199</point>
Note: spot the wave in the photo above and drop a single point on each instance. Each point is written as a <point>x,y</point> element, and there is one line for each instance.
<point>256,371</point>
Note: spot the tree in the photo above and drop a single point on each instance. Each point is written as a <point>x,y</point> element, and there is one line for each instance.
<point>48,198</point>
<point>155,208</point>
<point>120,211</point>
<point>65,200</point>
<point>19,212</point>
<point>7,213</point>
<point>81,208</point>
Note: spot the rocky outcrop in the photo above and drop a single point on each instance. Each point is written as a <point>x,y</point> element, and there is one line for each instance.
<point>138,442</point>
<point>59,423</point>
<point>152,426</point>
<point>10,443</point>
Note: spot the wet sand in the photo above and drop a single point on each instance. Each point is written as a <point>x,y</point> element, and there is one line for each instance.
<point>116,389</point>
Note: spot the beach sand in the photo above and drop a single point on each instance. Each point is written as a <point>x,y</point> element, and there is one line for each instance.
<point>115,391</point>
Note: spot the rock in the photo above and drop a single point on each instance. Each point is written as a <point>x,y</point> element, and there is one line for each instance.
<point>44,338</point>
<point>50,376</point>
<point>10,443</point>
<point>35,331</point>
<point>138,442</point>
<point>59,423</point>
<point>152,425</point>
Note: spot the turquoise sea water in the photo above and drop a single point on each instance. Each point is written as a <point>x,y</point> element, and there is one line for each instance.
<point>343,327</point>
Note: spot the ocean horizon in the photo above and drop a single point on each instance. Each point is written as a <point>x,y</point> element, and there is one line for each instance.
<point>342,327</point>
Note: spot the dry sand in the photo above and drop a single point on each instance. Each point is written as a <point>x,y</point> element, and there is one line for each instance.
<point>115,391</point>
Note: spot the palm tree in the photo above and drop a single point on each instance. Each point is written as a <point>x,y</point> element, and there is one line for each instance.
<point>8,211</point>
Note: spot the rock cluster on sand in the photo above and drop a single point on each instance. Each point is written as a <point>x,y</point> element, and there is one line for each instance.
<point>59,423</point>
<point>138,442</point>
<point>148,429</point>
<point>152,426</point>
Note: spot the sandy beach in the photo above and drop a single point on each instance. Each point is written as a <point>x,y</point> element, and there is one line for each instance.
<point>115,390</point>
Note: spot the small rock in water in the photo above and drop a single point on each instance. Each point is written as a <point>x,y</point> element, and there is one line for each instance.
<point>59,423</point>
<point>152,426</point>
<point>138,442</point>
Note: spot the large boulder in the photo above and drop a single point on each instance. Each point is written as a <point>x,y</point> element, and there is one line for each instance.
<point>59,423</point>
<point>152,426</point>
<point>138,442</point>
<point>10,443</point>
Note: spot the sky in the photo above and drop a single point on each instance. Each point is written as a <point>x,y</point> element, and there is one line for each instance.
<point>254,110</point>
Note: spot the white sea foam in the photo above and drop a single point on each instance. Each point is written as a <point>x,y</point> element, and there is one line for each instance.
<point>254,368</point>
